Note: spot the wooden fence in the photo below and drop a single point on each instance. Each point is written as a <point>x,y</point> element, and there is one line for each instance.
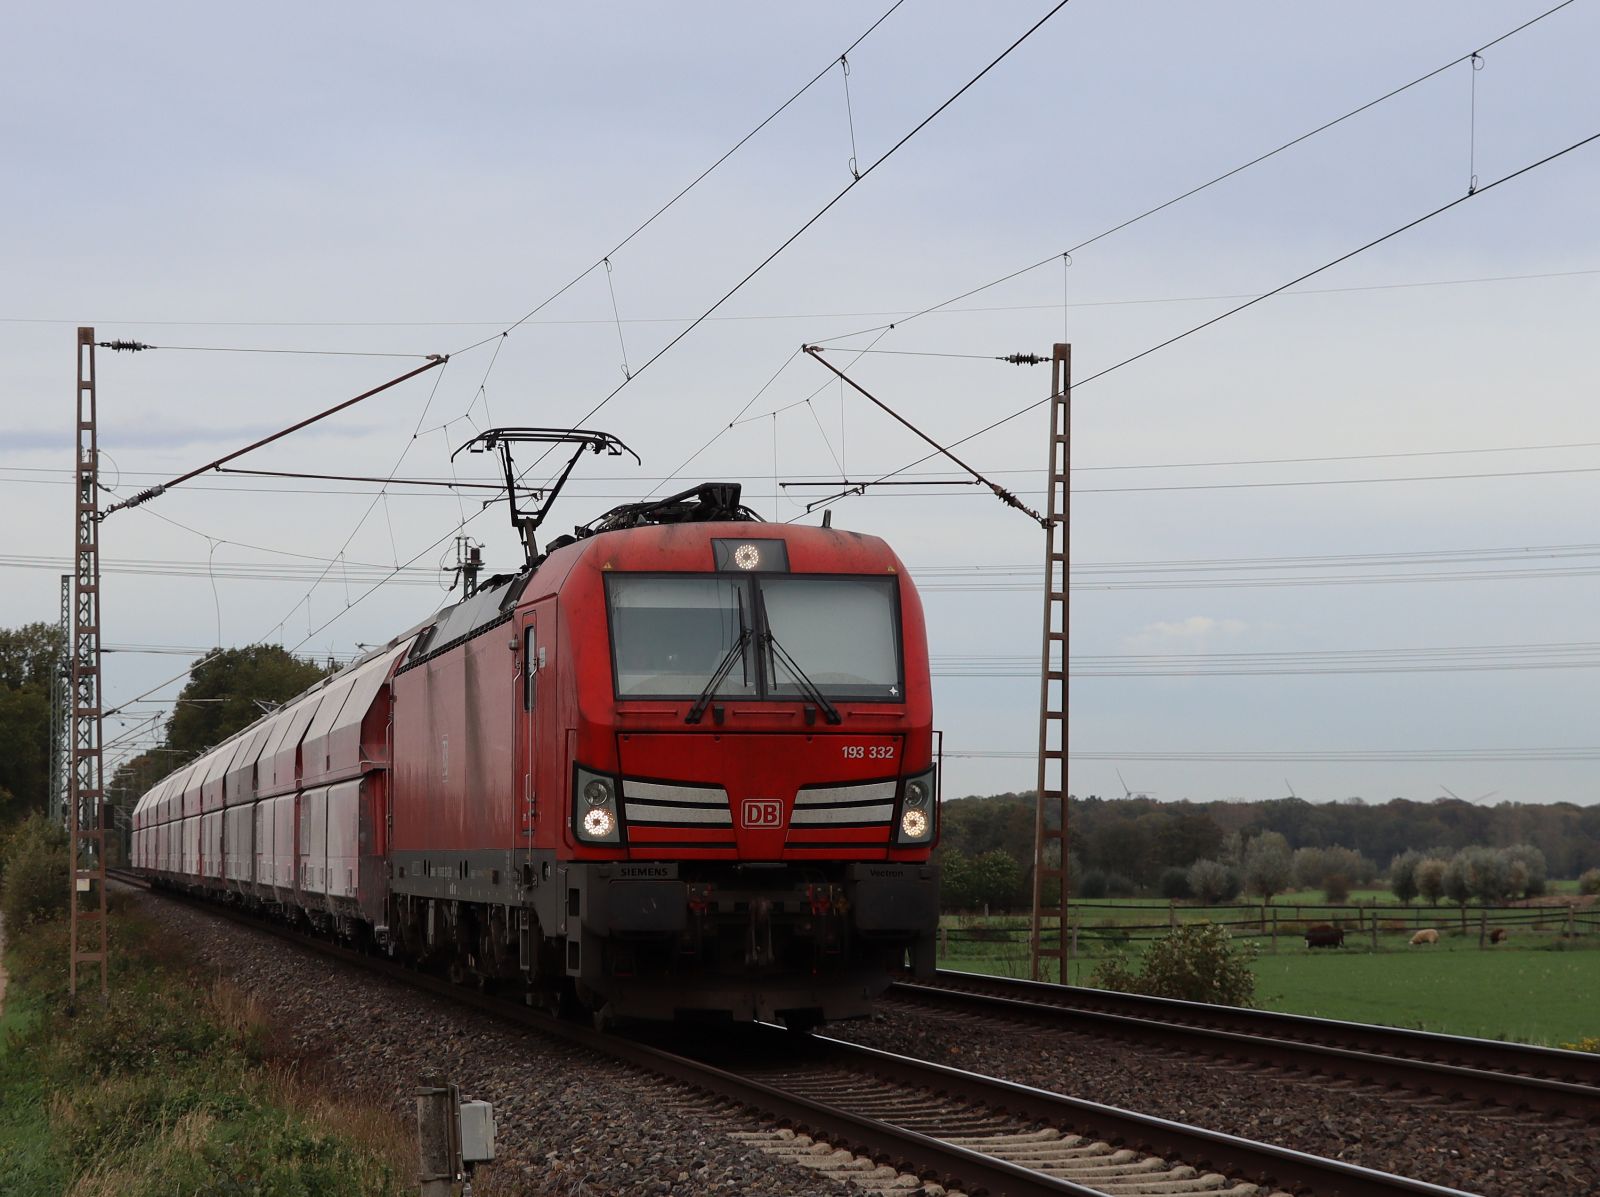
<point>1363,924</point>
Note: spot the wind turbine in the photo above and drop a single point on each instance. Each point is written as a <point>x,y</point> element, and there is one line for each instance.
<point>1126,792</point>
<point>1459,798</point>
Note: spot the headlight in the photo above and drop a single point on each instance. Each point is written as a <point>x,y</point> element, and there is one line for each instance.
<point>595,818</point>
<point>917,813</point>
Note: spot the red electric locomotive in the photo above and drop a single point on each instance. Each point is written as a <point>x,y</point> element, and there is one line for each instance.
<point>682,764</point>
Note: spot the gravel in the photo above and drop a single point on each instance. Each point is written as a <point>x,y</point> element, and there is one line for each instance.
<point>568,1123</point>
<point>573,1124</point>
<point>1498,1154</point>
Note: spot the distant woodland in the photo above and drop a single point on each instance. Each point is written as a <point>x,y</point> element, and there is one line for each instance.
<point>1128,846</point>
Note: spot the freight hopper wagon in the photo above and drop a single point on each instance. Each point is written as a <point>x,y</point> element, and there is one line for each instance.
<point>682,766</point>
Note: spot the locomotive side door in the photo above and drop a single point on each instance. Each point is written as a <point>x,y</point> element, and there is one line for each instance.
<point>530,656</point>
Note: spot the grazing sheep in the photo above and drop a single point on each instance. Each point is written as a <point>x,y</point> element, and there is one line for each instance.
<point>1324,935</point>
<point>1498,935</point>
<point>1426,936</point>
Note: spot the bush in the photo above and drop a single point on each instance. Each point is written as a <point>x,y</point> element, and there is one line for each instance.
<point>1118,886</point>
<point>1336,888</point>
<point>1525,870</point>
<point>1403,876</point>
<point>1092,884</point>
<point>1589,882</point>
<point>1212,881</point>
<point>1196,962</point>
<point>1174,884</point>
<point>34,885</point>
<point>1268,865</point>
<point>1431,874</point>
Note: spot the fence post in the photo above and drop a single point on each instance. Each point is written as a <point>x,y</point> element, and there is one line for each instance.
<point>1172,913</point>
<point>1374,930</point>
<point>1274,932</point>
<point>1569,932</point>
<point>944,942</point>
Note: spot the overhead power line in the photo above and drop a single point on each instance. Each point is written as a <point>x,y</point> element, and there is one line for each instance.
<point>855,182</point>
<point>1443,659</point>
<point>1312,756</point>
<point>900,315</point>
<point>1212,182</point>
<point>1205,324</point>
<point>695,182</point>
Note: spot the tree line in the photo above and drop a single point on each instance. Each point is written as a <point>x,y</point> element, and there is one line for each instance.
<point>1218,851</point>
<point>227,690</point>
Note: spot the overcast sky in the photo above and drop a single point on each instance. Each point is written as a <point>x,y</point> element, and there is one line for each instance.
<point>406,179</point>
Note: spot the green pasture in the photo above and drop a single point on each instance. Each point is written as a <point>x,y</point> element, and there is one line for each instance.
<point>1535,988</point>
<point>1545,994</point>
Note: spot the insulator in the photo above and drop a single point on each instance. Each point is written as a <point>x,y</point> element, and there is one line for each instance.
<point>124,346</point>
<point>145,496</point>
<point>1025,359</point>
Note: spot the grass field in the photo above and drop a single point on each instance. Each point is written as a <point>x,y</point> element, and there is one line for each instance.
<point>1534,989</point>
<point>169,1088</point>
<point>1532,995</point>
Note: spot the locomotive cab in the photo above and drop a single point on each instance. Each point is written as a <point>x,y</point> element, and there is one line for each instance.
<point>749,795</point>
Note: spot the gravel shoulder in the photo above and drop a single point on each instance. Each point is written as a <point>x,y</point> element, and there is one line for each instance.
<point>568,1123</point>
<point>1492,1153</point>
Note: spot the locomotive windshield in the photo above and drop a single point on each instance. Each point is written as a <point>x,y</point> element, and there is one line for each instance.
<point>670,633</point>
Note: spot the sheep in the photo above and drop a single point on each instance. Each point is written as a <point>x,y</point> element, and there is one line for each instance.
<point>1429,935</point>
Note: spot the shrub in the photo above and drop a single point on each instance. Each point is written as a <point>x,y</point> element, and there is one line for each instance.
<point>1589,882</point>
<point>1430,879</point>
<point>1092,884</point>
<point>1403,876</point>
<point>1268,865</point>
<point>1118,886</point>
<point>1196,962</point>
<point>1174,884</point>
<point>1336,888</point>
<point>1212,881</point>
<point>35,873</point>
<point>1525,870</point>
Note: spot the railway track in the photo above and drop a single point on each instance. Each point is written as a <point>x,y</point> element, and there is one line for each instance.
<point>976,1134</point>
<point>1513,1076</point>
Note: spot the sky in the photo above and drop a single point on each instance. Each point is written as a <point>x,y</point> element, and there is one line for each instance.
<point>1335,545</point>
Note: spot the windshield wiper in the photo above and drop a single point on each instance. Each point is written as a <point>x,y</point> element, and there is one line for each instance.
<point>735,651</point>
<point>829,711</point>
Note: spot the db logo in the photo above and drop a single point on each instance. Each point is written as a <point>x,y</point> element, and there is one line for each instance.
<point>763,812</point>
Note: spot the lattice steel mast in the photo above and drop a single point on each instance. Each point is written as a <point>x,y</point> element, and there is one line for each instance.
<point>60,701</point>
<point>85,793</point>
<point>1050,867</point>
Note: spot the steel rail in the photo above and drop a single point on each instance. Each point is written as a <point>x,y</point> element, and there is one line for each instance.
<point>1263,1163</point>
<point>1506,1074</point>
<point>911,1151</point>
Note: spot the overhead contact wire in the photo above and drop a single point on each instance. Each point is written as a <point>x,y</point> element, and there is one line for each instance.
<point>1222,178</point>
<point>1189,332</point>
<point>823,211</point>
<point>695,182</point>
